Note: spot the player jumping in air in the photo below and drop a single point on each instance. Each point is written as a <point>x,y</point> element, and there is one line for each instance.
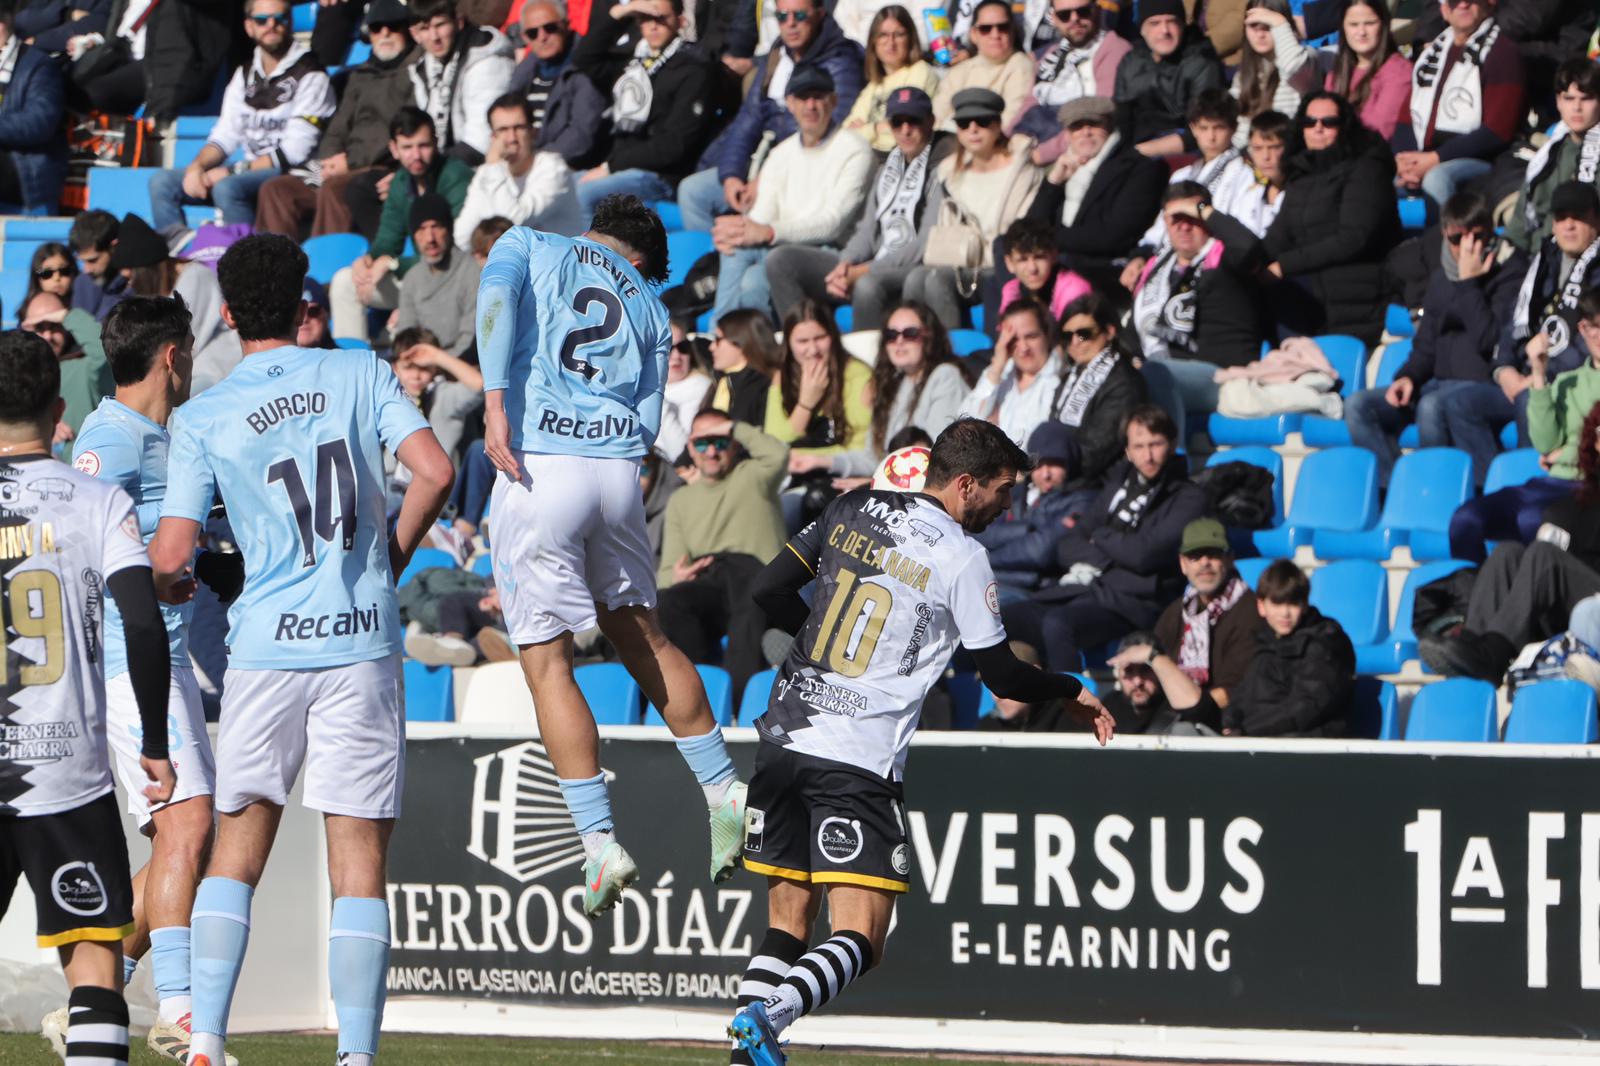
<point>124,441</point>
<point>293,440</point>
<point>66,541</point>
<point>898,582</point>
<point>573,347</point>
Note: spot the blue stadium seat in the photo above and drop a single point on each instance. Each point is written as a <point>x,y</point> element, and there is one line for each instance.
<point>683,248</point>
<point>483,565</point>
<point>1508,436</point>
<point>351,343</point>
<point>844,316</point>
<point>1374,710</point>
<point>1424,491</point>
<point>1414,212</point>
<point>1397,322</point>
<point>757,691</point>
<point>331,253</point>
<point>304,17</point>
<point>969,700</point>
<point>719,691</point>
<point>360,52</point>
<point>37,229</point>
<point>1401,643</point>
<point>1389,363</point>
<point>977,318</point>
<point>1512,468</point>
<point>671,217</point>
<point>1271,429</point>
<point>610,691</point>
<point>13,287</point>
<point>1349,358</point>
<point>1337,489</point>
<point>430,693</point>
<point>184,149</point>
<point>121,190</point>
<point>1553,712</point>
<point>966,341</point>
<point>1458,708</point>
<point>424,559</point>
<point>1250,569</point>
<point>194,125</point>
<point>17,254</point>
<point>1355,593</point>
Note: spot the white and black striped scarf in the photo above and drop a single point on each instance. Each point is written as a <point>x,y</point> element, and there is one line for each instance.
<point>1083,380</point>
<point>1588,164</point>
<point>632,93</point>
<point>1051,88</point>
<point>1458,96</point>
<point>899,191</point>
<point>1556,315</point>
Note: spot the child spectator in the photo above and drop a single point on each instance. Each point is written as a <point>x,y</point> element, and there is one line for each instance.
<point>485,233</point>
<point>1222,169</point>
<point>448,402</point>
<point>1033,259</point>
<point>1304,667</point>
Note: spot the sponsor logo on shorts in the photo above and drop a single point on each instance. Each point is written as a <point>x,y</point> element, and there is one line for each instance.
<point>901,859</point>
<point>839,840</point>
<point>87,463</point>
<point>77,889</point>
<point>755,828</point>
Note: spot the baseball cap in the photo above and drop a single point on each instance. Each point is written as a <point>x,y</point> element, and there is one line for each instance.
<point>1204,534</point>
<point>909,101</point>
<point>1577,199</point>
<point>809,79</point>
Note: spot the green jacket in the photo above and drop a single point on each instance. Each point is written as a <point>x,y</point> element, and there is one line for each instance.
<point>738,514</point>
<point>394,224</point>
<point>1556,414</point>
<point>87,380</point>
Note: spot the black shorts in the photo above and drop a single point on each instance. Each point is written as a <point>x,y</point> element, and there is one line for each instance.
<point>825,822</point>
<point>76,863</point>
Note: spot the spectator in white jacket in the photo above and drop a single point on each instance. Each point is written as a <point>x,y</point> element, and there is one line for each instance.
<point>461,72</point>
<point>531,188</point>
<point>811,189</point>
<point>272,116</point>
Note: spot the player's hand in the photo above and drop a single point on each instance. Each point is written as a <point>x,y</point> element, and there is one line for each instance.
<point>497,442</point>
<point>163,779</point>
<point>1089,711</point>
<point>1400,392</point>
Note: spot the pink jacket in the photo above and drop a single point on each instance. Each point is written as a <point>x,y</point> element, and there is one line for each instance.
<point>1068,287</point>
<point>1389,102</point>
<point>1296,356</point>
<point>1106,62</point>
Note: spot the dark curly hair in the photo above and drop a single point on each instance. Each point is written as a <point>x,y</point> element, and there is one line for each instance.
<point>627,219</point>
<point>30,377</point>
<point>262,277</point>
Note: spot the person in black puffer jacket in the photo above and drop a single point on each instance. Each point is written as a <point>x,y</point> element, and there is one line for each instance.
<point>1169,66</point>
<point>1337,224</point>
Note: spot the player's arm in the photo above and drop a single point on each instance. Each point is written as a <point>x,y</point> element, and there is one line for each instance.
<point>500,286</point>
<point>777,587</point>
<point>191,492</point>
<point>1009,678</point>
<point>172,550</point>
<point>149,667</point>
<point>431,479</point>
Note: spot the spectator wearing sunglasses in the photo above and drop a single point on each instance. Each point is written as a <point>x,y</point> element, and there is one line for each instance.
<point>998,65</point>
<point>806,37</point>
<point>1170,65</point>
<point>272,117</point>
<point>547,44</point>
<point>311,201</point>
<point>460,72</point>
<point>51,271</point>
<point>684,394</point>
<point>1337,224</point>
<point>1084,62</point>
<point>720,531</point>
<point>74,337</point>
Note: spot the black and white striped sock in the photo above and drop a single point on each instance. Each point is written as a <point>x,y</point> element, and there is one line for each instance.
<point>820,975</point>
<point>97,1027</point>
<point>768,967</point>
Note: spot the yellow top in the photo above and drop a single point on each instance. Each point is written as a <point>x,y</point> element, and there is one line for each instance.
<point>857,413</point>
<point>872,105</point>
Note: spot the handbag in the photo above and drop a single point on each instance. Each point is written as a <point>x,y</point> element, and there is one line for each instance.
<point>956,239</point>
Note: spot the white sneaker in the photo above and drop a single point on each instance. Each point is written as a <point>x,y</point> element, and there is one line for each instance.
<point>438,649</point>
<point>170,1040</point>
<point>604,878</point>
<point>54,1029</point>
<point>452,540</point>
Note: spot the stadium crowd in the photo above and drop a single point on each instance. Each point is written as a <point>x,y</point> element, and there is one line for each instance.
<point>1112,228</point>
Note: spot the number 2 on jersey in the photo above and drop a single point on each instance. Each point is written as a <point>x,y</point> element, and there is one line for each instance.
<point>33,609</point>
<point>335,487</point>
<point>581,302</point>
<point>851,626</point>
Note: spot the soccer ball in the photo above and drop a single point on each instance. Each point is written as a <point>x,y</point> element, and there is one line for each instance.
<point>903,471</point>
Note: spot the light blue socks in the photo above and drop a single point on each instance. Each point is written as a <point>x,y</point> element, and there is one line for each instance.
<point>220,930</point>
<point>358,968</point>
<point>590,804</point>
<point>708,760</point>
<point>169,962</point>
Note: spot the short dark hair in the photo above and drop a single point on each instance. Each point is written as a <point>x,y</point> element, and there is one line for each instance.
<point>139,327</point>
<point>507,101</point>
<point>1154,419</point>
<point>1093,304</point>
<point>1027,305</point>
<point>909,437</point>
<point>94,230</point>
<point>262,277</point>
<point>977,447</point>
<point>1283,582</point>
<point>428,10</point>
<point>410,121</point>
<point>1580,71</point>
<point>1218,105</point>
<point>1589,307</point>
<point>410,337</point>
<point>1271,124</point>
<point>1028,236</point>
<point>1185,190</point>
<point>30,377</point>
<point>8,13</point>
<point>627,219</point>
<point>1469,210</point>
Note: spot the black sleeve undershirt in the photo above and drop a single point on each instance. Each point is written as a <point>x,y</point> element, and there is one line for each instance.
<point>1009,678</point>
<point>777,591</point>
<point>149,665</point>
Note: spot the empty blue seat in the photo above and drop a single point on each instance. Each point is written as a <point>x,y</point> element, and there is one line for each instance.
<point>1337,489</point>
<point>1459,708</point>
<point>424,559</point>
<point>610,691</point>
<point>194,126</point>
<point>121,190</point>
<point>13,288</point>
<point>1271,429</point>
<point>1397,322</point>
<point>1424,491</point>
<point>671,217</point>
<point>37,229</point>
<point>1355,593</point>
<point>1374,710</point>
<point>719,693</point>
<point>430,693</point>
<point>16,254</point>
<point>331,253</point>
<point>1414,211</point>
<point>1250,569</point>
<point>304,17</point>
<point>844,316</point>
<point>683,248</point>
<point>967,341</point>
<point>1553,712</point>
<point>1512,468</point>
<point>483,565</point>
<point>757,692</point>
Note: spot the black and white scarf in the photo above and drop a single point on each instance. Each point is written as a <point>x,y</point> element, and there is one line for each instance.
<point>1133,499</point>
<point>1210,174</point>
<point>1194,650</point>
<point>899,191</point>
<point>1557,314</point>
<point>1588,164</point>
<point>1065,73</point>
<point>1457,96</point>
<point>1079,386</point>
<point>633,94</point>
<point>439,82</point>
<point>1164,305</point>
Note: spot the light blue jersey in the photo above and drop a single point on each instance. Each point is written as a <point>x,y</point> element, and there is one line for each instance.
<point>293,440</point>
<point>122,446</point>
<point>571,332</point>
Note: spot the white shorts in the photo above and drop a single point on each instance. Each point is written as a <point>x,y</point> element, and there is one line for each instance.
<point>188,746</point>
<point>345,723</point>
<point>570,535</point>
